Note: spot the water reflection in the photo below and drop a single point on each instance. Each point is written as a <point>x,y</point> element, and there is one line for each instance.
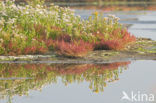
<point>18,79</point>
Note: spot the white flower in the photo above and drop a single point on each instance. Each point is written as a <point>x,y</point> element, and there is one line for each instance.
<point>26,12</point>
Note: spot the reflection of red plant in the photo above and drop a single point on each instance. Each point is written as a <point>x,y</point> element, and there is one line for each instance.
<point>110,66</point>
<point>78,69</point>
<point>73,48</point>
<point>59,69</point>
<point>72,69</point>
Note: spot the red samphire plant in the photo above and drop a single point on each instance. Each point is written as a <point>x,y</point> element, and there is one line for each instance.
<point>118,39</point>
<point>73,48</point>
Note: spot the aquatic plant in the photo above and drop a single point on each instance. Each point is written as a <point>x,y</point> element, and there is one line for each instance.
<point>37,29</point>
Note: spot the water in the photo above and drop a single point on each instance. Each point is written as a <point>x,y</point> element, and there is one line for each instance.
<point>71,83</point>
<point>148,29</point>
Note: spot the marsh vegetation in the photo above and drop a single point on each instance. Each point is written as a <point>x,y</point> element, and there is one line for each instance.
<point>38,29</point>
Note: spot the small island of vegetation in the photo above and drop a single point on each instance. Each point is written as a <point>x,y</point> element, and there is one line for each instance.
<point>35,28</point>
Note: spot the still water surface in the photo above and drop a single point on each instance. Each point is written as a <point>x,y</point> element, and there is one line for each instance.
<point>73,84</point>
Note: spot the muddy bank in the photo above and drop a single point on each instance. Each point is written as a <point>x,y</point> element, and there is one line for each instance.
<point>143,49</point>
